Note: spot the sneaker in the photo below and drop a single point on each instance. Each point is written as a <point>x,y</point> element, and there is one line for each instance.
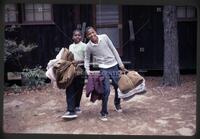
<point>118,108</point>
<point>69,115</point>
<point>78,110</point>
<point>103,118</point>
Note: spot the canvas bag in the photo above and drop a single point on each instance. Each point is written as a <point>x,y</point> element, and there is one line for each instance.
<point>67,55</point>
<point>130,94</point>
<point>129,80</point>
<point>65,73</point>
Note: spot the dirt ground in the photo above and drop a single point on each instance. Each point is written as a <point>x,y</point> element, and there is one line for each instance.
<point>160,111</point>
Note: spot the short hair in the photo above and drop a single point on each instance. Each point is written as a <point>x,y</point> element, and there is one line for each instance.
<point>89,27</point>
<point>77,30</point>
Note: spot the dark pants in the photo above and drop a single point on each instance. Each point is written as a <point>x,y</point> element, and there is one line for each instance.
<point>74,93</point>
<point>113,74</point>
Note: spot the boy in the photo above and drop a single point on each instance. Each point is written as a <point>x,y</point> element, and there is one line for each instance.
<point>107,57</point>
<point>74,91</point>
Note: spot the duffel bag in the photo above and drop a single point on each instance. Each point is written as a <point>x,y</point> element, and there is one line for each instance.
<point>129,80</point>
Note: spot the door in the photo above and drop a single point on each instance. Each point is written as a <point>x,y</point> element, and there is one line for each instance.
<point>146,51</point>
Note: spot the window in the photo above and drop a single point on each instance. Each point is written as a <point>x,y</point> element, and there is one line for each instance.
<point>186,13</point>
<point>37,13</point>
<point>112,32</point>
<point>107,21</point>
<point>107,14</point>
<point>11,13</point>
<point>28,13</point>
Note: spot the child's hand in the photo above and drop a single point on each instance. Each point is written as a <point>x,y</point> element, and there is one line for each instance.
<point>124,70</point>
<point>122,67</point>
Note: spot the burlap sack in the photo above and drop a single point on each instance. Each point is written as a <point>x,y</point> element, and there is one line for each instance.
<point>65,72</point>
<point>124,83</point>
<point>67,55</point>
<point>129,81</point>
<point>135,78</point>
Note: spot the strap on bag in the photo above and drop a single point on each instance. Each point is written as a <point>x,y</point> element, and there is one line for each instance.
<point>125,71</point>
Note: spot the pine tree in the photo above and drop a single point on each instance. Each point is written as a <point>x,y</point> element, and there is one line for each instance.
<point>171,75</point>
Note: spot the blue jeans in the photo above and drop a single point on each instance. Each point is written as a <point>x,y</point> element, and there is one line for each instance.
<point>113,74</point>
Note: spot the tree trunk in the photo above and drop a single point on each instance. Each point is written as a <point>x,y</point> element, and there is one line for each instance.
<point>171,75</point>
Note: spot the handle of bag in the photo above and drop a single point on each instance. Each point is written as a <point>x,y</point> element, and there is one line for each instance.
<point>125,71</point>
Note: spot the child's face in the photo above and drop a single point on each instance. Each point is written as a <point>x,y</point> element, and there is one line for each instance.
<point>92,35</point>
<point>76,37</point>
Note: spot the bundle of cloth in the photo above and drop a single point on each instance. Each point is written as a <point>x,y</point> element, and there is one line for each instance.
<point>61,70</point>
<point>130,83</point>
<point>94,87</point>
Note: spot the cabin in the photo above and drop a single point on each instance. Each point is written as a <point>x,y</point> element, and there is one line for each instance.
<point>136,31</point>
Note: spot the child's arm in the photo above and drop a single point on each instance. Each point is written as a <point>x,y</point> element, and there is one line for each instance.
<point>115,53</point>
<point>87,60</point>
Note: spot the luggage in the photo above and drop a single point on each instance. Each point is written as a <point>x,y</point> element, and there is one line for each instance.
<point>65,73</point>
<point>61,70</point>
<point>130,84</point>
<point>129,80</point>
<point>67,55</point>
<point>140,89</point>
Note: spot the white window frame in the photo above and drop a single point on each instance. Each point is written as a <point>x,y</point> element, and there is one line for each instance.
<point>105,16</point>
<point>186,13</point>
<point>11,12</point>
<point>40,10</point>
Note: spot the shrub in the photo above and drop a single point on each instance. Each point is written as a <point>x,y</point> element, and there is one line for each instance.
<point>16,89</point>
<point>12,50</point>
<point>33,77</point>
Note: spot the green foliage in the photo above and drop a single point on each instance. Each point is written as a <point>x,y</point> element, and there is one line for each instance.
<point>12,50</point>
<point>12,89</point>
<point>12,28</point>
<point>15,51</point>
<point>33,77</point>
<point>16,89</point>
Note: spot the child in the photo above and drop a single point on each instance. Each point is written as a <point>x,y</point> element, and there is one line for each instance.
<point>74,91</point>
<point>107,57</point>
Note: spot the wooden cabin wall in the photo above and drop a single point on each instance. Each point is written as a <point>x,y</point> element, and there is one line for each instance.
<point>146,51</point>
<point>150,39</point>
<point>49,37</point>
<point>187,33</point>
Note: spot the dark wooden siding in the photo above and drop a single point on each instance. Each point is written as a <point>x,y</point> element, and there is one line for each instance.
<point>148,28</point>
<point>150,37</point>
<point>187,33</point>
<point>49,37</point>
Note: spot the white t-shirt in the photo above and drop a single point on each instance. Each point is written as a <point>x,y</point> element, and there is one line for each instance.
<point>78,50</point>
